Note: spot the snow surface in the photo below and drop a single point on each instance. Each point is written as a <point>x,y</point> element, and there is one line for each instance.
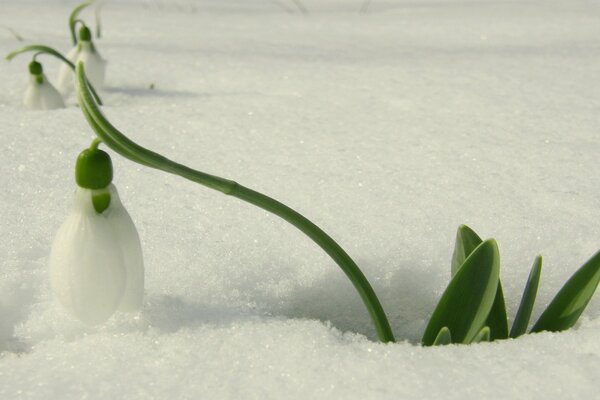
<point>388,129</point>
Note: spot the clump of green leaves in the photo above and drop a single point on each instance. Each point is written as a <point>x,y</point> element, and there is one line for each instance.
<point>472,308</point>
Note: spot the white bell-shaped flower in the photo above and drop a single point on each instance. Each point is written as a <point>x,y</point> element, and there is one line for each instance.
<point>129,240</point>
<point>86,52</point>
<point>40,94</point>
<point>96,264</point>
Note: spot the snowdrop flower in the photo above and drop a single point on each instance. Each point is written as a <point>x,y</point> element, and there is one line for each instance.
<point>40,94</point>
<point>86,52</point>
<point>96,262</point>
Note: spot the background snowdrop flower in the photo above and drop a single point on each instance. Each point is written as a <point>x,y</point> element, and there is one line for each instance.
<point>96,262</point>
<point>40,94</point>
<point>86,52</point>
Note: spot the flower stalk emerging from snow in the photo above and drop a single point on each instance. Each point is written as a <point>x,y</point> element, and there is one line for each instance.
<point>472,308</point>
<point>41,49</point>
<point>40,94</point>
<point>84,51</point>
<point>127,148</point>
<point>73,18</point>
<point>96,262</point>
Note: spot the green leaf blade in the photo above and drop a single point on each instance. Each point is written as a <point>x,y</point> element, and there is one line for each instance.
<point>468,299</point>
<point>521,321</point>
<point>497,320</point>
<point>466,241</point>
<point>484,335</point>
<point>568,304</point>
<point>443,338</point>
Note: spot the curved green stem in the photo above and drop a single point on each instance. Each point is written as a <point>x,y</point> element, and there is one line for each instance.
<point>129,149</point>
<point>95,143</point>
<point>73,28</point>
<point>73,18</point>
<point>41,49</point>
<point>358,279</point>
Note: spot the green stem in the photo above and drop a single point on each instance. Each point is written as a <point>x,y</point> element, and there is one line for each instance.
<point>95,143</point>
<point>108,141</point>
<point>358,279</point>
<point>129,149</point>
<point>41,49</point>
<point>73,19</point>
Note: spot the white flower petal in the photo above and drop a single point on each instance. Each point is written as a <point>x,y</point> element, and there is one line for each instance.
<point>128,239</point>
<point>65,81</point>
<point>95,67</point>
<point>42,96</point>
<point>87,271</point>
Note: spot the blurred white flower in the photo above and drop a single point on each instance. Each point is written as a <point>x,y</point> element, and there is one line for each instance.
<point>86,52</point>
<point>40,94</point>
<point>96,262</point>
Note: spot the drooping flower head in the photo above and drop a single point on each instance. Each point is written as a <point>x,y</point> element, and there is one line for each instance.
<point>40,94</point>
<point>86,52</point>
<point>96,262</point>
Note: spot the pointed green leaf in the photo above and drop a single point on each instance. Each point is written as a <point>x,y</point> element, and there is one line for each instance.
<point>468,299</point>
<point>466,241</point>
<point>482,336</point>
<point>497,319</point>
<point>443,338</point>
<point>521,321</point>
<point>571,300</point>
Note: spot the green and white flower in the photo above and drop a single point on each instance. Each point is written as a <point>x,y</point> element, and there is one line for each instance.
<point>86,52</point>
<point>96,265</point>
<point>40,94</point>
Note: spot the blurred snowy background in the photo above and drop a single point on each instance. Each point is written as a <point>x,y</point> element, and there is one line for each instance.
<point>387,128</point>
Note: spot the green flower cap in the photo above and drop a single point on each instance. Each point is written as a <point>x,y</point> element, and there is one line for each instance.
<point>35,68</point>
<point>84,34</point>
<point>93,169</point>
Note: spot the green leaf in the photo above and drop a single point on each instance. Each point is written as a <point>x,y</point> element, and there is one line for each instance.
<point>497,319</point>
<point>521,321</point>
<point>466,241</point>
<point>443,338</point>
<point>571,300</point>
<point>468,299</point>
<point>482,336</point>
